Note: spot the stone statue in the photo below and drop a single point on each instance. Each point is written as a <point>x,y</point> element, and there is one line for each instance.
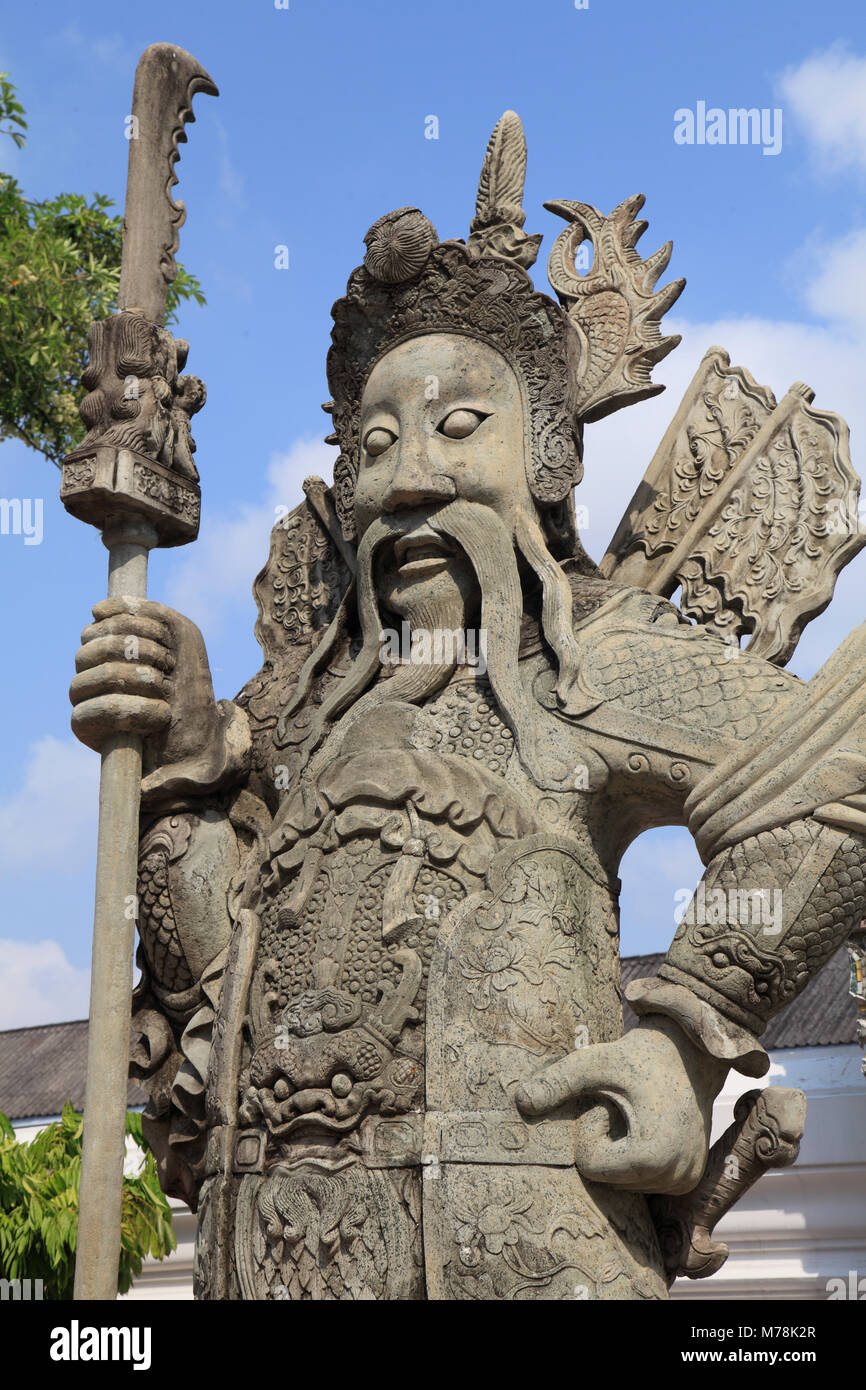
<point>380,1015</point>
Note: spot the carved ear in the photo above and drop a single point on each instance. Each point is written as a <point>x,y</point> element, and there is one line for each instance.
<point>499,216</point>
<point>613,306</point>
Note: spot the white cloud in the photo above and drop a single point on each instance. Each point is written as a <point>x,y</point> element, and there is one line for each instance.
<point>826,95</point>
<point>114,51</point>
<point>110,49</point>
<point>231,180</point>
<point>833,277</point>
<point>217,575</point>
<point>51,822</point>
<point>39,985</point>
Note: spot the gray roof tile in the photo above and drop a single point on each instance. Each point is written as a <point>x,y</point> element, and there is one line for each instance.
<point>41,1068</point>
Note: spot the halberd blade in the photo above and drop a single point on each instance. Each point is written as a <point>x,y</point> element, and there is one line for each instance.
<point>166,79</point>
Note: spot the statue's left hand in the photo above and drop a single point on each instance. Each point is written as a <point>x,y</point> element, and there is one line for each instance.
<point>649,1103</point>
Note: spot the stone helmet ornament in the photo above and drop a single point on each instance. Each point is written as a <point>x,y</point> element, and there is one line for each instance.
<point>575,361</point>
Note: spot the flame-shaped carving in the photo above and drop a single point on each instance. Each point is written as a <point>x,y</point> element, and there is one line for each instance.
<point>613,307</point>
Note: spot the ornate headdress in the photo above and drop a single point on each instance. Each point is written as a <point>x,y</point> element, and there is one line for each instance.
<point>576,361</point>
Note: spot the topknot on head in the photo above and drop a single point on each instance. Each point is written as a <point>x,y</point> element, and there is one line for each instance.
<point>399,246</point>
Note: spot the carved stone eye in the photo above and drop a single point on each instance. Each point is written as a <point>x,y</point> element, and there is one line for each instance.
<point>461,423</point>
<point>378,440</point>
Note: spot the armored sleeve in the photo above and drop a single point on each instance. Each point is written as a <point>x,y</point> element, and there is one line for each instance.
<point>781,826</point>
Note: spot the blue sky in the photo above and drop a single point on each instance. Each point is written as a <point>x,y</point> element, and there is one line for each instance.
<point>319,129</point>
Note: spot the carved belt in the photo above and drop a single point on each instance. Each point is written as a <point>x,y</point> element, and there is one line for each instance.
<point>454,1136</point>
<point>497,1136</point>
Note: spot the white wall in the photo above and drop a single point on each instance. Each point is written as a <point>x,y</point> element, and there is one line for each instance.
<point>799,1227</point>
<point>170,1278</point>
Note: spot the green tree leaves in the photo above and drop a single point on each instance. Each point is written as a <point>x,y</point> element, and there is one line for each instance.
<point>39,1207</point>
<point>12,112</point>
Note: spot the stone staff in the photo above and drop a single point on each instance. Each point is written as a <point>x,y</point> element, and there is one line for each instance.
<point>132,477</point>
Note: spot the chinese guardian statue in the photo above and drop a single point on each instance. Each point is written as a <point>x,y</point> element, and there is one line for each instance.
<point>380,1018</point>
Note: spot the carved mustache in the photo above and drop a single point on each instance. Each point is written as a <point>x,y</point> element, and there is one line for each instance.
<point>424,538</point>
<point>408,530</point>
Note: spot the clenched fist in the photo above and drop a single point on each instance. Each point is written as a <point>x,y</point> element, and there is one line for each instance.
<point>142,668</point>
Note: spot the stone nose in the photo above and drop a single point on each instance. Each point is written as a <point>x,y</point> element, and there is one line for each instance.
<point>414,482</point>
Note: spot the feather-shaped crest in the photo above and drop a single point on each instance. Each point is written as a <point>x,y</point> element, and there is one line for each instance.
<point>614,306</point>
<point>500,187</point>
<point>499,215</point>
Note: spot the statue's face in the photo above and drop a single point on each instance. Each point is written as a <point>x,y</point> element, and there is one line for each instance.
<point>441,418</point>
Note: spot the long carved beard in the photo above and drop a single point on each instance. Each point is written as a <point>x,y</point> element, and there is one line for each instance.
<point>490,548</point>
